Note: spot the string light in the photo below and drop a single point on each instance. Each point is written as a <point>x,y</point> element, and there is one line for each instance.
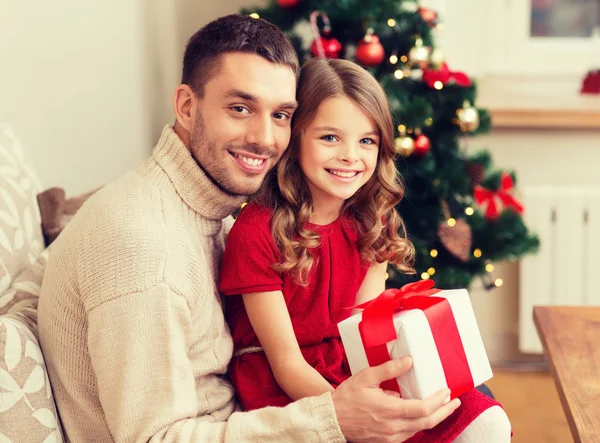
<point>404,59</point>
<point>424,276</point>
<point>489,267</point>
<point>393,59</point>
<point>254,15</point>
<point>469,211</point>
<point>429,122</point>
<point>399,74</point>
<point>401,128</point>
<point>451,222</point>
<point>498,282</point>
<point>410,130</point>
<point>433,253</point>
<point>387,275</point>
<point>477,253</point>
<point>391,22</point>
<point>431,271</point>
<point>438,85</point>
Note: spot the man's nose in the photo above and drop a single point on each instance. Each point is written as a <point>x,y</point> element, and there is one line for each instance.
<point>260,132</point>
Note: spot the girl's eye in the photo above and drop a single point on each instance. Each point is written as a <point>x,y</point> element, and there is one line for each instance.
<point>329,138</point>
<point>240,109</point>
<point>367,141</point>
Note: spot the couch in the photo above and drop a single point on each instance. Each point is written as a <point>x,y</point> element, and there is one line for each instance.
<point>27,410</point>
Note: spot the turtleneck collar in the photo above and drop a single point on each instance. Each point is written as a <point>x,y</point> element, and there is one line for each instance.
<point>190,181</point>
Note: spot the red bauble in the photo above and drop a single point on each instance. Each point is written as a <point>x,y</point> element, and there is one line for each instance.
<point>429,16</point>
<point>331,47</point>
<point>288,3</point>
<point>370,51</point>
<point>422,145</point>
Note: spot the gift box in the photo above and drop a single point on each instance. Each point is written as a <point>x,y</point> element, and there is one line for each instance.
<point>436,328</point>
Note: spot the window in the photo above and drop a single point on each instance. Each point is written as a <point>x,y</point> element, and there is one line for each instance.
<point>545,37</point>
<point>564,18</point>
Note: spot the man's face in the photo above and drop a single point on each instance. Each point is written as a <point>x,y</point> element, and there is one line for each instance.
<point>242,124</point>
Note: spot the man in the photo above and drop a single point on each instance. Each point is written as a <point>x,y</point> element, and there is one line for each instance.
<point>130,319</point>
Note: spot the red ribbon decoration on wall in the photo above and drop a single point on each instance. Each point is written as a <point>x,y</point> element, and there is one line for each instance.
<point>377,329</point>
<point>483,196</point>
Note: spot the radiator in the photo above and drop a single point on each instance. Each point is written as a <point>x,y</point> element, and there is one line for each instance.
<point>567,221</point>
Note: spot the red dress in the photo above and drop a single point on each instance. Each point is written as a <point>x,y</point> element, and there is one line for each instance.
<point>315,311</point>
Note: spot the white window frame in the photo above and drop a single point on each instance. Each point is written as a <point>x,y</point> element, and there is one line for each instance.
<point>515,52</point>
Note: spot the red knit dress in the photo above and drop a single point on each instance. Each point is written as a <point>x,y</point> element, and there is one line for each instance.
<point>315,311</point>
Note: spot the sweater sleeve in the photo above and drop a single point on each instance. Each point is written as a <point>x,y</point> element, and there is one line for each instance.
<point>151,394</point>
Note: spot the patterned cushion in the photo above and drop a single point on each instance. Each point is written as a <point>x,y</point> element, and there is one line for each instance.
<point>27,410</point>
<point>21,238</point>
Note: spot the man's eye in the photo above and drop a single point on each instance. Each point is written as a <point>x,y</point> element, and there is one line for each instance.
<point>240,109</point>
<point>329,138</point>
<point>281,116</point>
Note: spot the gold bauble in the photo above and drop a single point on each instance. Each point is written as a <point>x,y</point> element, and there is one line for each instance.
<point>404,145</point>
<point>419,54</point>
<point>468,117</point>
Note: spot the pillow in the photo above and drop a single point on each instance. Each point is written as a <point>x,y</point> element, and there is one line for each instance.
<point>27,409</point>
<point>56,211</point>
<point>21,239</point>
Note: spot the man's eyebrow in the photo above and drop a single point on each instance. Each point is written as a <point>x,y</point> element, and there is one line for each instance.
<point>238,93</point>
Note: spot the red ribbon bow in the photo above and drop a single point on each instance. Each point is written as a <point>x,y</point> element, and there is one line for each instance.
<point>445,75</point>
<point>377,329</point>
<point>483,196</point>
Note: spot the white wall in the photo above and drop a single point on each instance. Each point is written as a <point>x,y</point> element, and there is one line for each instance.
<point>71,87</point>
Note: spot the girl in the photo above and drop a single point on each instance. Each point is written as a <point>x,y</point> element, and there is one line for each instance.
<point>316,240</point>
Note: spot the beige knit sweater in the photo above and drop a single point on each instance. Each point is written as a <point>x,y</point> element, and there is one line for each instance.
<point>131,322</point>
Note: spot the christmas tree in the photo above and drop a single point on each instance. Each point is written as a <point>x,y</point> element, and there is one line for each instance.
<point>460,212</point>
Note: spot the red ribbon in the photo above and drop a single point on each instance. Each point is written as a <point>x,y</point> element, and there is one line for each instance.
<point>445,75</point>
<point>483,196</point>
<point>377,329</point>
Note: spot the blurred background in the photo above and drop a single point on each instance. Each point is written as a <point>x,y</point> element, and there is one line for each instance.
<point>87,87</point>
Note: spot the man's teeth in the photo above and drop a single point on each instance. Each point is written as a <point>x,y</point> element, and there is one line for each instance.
<point>250,161</point>
<point>343,173</point>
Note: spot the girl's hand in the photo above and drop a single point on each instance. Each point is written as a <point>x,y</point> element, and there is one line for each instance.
<point>366,413</point>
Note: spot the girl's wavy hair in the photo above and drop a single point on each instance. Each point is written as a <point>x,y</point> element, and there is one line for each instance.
<point>382,235</point>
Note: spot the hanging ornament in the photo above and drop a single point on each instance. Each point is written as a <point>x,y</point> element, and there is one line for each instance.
<point>429,16</point>
<point>455,235</point>
<point>422,144</point>
<point>404,145</point>
<point>502,197</point>
<point>323,47</point>
<point>370,51</point>
<point>288,3</point>
<point>476,172</point>
<point>419,54</point>
<point>468,117</point>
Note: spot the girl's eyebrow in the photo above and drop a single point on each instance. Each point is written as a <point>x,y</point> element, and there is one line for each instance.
<point>334,129</point>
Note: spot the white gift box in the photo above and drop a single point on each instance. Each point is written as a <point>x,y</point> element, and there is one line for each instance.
<point>415,339</point>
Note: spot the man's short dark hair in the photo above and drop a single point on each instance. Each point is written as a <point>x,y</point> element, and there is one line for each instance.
<point>233,33</point>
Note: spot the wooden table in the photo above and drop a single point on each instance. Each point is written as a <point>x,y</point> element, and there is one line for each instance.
<point>571,339</point>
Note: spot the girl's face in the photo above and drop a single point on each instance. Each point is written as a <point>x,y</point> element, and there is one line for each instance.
<point>338,152</point>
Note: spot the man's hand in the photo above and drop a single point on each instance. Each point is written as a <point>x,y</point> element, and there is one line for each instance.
<point>366,413</point>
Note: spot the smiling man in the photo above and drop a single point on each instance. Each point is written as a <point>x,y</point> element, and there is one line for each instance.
<point>130,318</point>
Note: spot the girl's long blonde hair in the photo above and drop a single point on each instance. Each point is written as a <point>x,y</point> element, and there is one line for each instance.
<point>382,235</point>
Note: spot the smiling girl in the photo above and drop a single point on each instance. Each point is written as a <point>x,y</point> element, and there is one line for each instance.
<point>315,241</point>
